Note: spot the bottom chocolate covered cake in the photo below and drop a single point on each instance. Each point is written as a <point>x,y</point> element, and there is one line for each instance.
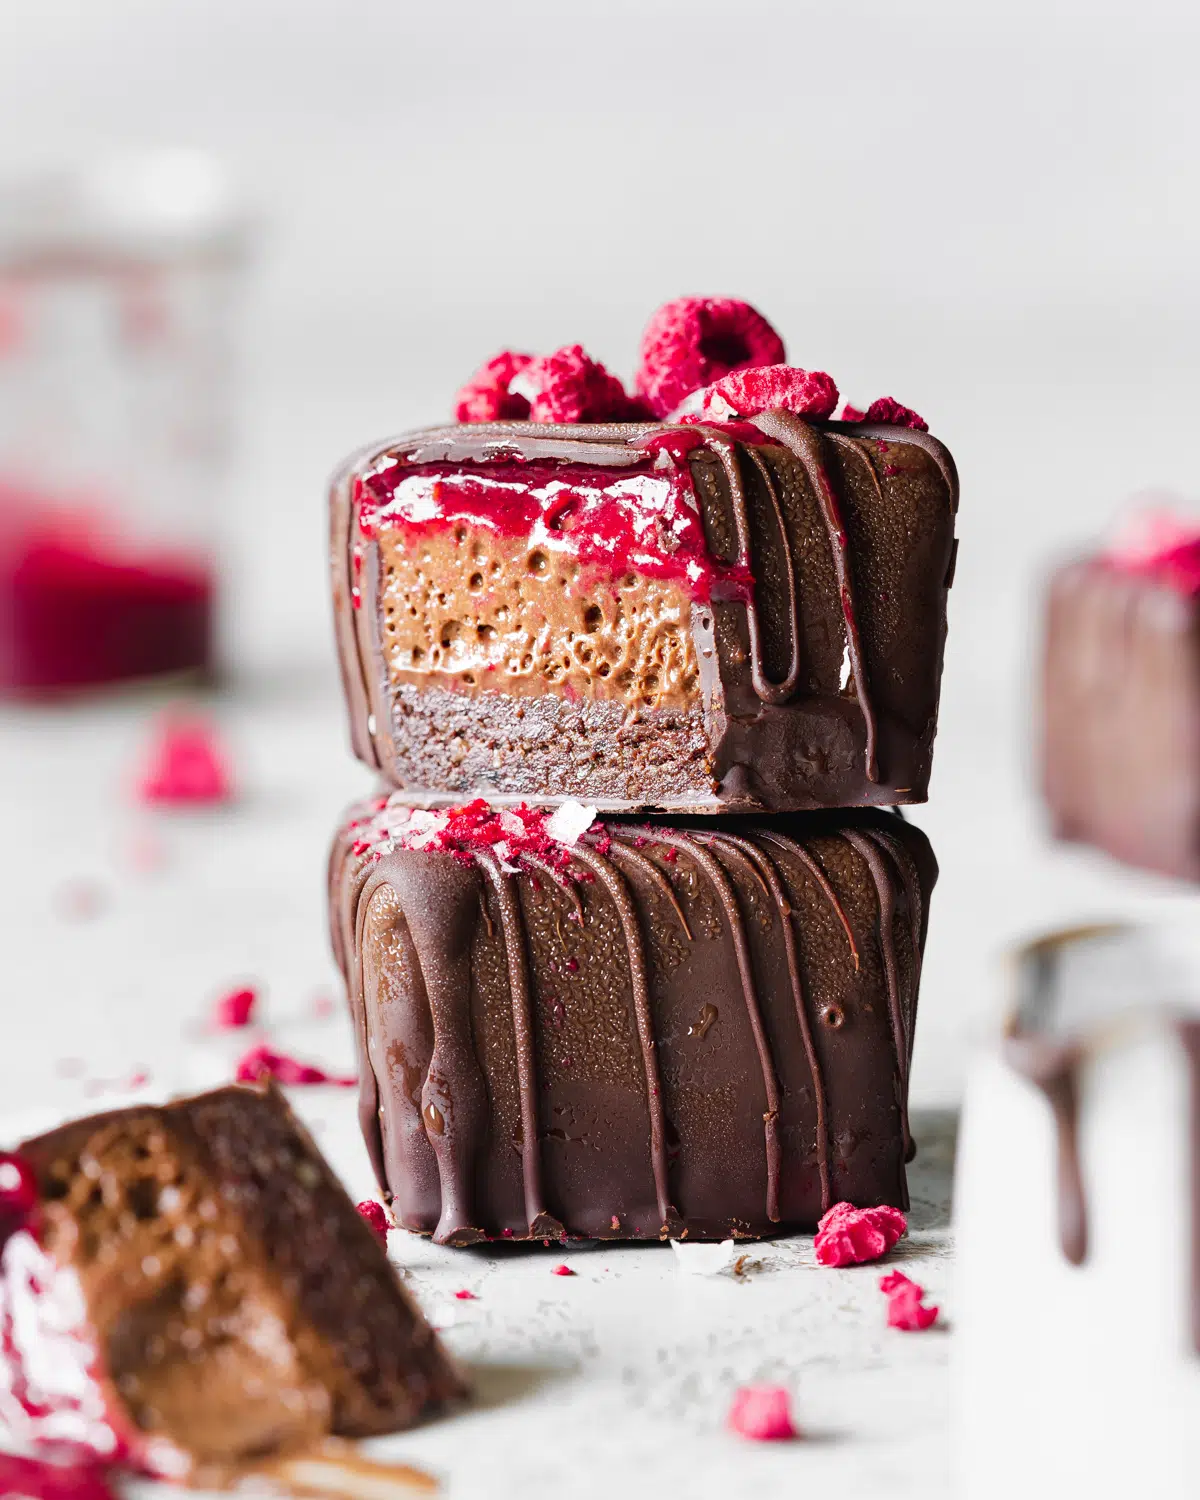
<point>630,1029</point>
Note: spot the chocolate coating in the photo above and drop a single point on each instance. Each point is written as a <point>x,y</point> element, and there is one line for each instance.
<point>809,668</point>
<point>693,1027</point>
<point>232,1304</point>
<point>1120,716</point>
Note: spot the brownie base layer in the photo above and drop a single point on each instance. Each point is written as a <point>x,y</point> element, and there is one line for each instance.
<point>667,1029</point>
<point>1120,717</point>
<point>801,671</point>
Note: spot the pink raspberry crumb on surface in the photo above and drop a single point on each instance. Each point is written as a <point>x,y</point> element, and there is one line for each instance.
<point>563,1270</point>
<point>805,393</point>
<point>762,1413</point>
<point>905,1299</point>
<point>889,412</point>
<point>262,1063</point>
<point>570,386</point>
<point>464,1295</point>
<point>694,341</point>
<point>849,1236</point>
<point>235,1010</point>
<point>187,763</point>
<point>486,396</point>
<point>376,1218</point>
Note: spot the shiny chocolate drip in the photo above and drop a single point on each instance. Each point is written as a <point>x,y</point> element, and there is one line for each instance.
<point>761,862</point>
<point>541,1224</point>
<point>804,443</point>
<point>614,883</point>
<point>1052,1066</point>
<point>719,881</point>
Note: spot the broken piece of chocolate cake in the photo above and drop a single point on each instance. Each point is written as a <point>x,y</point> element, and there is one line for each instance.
<point>621,1029</point>
<point>187,1290</point>
<point>742,615</point>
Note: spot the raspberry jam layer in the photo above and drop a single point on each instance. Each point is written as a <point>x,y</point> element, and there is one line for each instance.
<point>643,519</point>
<point>79,608</point>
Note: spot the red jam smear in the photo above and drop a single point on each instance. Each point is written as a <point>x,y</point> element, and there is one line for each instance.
<point>641,519</point>
<point>79,607</point>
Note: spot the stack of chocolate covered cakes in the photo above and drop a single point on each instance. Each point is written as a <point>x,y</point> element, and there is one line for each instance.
<point>632,941</point>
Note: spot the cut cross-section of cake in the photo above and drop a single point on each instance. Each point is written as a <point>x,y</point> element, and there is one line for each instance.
<point>625,1029</point>
<point>746,614</point>
<point>186,1290</point>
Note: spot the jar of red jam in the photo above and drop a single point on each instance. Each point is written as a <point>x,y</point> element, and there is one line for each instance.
<point>116,301</point>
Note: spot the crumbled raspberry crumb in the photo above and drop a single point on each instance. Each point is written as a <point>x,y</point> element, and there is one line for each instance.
<point>694,341</point>
<point>806,393</point>
<point>563,1270</point>
<point>848,1236</point>
<point>763,1413</point>
<point>187,764</point>
<point>262,1063</point>
<point>466,1296</point>
<point>851,413</point>
<point>891,413</point>
<point>373,1212</point>
<point>486,396</point>
<point>235,1010</point>
<point>570,386</point>
<point>905,1310</point>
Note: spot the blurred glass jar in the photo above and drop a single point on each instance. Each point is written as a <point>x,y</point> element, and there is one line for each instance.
<point>117,288</point>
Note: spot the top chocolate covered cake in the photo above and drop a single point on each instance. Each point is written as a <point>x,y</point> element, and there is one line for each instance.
<point>742,607</point>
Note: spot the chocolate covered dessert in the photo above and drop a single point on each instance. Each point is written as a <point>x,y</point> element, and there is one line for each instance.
<point>1120,699</point>
<point>187,1291</point>
<point>630,1029</point>
<point>736,604</point>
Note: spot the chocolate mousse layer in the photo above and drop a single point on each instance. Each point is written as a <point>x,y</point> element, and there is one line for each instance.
<point>630,1029</point>
<point>194,1292</point>
<point>747,615</point>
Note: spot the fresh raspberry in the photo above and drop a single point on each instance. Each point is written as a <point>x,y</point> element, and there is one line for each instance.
<point>376,1219</point>
<point>904,1309</point>
<point>848,1236</point>
<point>807,393</point>
<point>486,396</point>
<point>695,341</point>
<point>235,1010</point>
<point>262,1063</point>
<point>187,763</point>
<point>763,1413</point>
<point>888,412</point>
<point>570,386</point>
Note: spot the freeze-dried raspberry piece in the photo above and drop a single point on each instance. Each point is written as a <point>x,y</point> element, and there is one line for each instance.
<point>235,1010</point>
<point>904,1310</point>
<point>890,413</point>
<point>848,1236</point>
<point>694,341</point>
<point>262,1063</point>
<point>763,1413</point>
<point>466,1295</point>
<point>486,397</point>
<point>187,763</point>
<point>851,413</point>
<point>570,386</point>
<point>806,393</point>
<point>1160,545</point>
<point>563,1270</point>
<point>372,1211</point>
<point>18,1192</point>
<point>36,1480</point>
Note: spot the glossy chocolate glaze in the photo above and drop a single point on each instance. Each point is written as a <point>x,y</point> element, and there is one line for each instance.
<point>691,1027</point>
<point>819,674</point>
<point>1120,716</point>
<point>229,1301</point>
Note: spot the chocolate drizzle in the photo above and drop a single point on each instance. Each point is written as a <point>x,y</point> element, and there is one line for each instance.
<point>717,869</point>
